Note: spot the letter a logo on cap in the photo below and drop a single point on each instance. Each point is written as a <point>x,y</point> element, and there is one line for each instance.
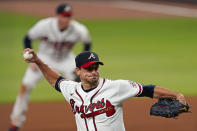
<point>91,56</point>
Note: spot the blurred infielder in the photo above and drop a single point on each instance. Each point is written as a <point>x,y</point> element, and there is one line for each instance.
<point>97,102</point>
<point>58,35</point>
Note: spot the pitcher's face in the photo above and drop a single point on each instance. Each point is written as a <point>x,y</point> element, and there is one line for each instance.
<point>89,74</point>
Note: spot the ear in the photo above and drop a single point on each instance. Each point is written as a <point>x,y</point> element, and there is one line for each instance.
<point>77,70</point>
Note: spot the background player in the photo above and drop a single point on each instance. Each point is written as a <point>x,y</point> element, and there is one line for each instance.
<point>97,102</point>
<point>57,35</point>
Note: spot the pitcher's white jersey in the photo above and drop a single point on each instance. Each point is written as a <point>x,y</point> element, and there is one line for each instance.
<point>56,43</point>
<point>101,108</point>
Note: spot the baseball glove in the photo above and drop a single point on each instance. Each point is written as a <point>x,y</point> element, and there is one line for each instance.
<point>168,108</point>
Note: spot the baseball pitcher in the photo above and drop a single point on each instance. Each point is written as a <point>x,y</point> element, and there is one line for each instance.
<point>97,102</point>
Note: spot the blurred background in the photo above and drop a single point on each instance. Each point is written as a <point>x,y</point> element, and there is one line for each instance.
<point>147,41</point>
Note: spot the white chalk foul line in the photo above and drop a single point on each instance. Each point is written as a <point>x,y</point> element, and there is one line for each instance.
<point>157,8</point>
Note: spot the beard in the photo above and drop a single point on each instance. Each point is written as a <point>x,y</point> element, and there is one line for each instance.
<point>93,81</point>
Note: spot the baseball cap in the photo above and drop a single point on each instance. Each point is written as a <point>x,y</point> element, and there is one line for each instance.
<point>64,9</point>
<point>87,58</point>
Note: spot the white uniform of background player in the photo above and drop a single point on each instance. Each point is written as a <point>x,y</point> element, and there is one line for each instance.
<point>57,35</point>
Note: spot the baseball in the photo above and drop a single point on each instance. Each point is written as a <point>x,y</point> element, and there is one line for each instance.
<point>27,55</point>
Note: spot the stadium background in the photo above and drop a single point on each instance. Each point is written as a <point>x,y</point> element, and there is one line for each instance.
<point>148,41</point>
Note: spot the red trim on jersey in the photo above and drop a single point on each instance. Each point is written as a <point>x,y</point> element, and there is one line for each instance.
<point>44,38</point>
<point>14,127</point>
<point>97,91</point>
<point>79,96</point>
<point>94,123</point>
<point>140,91</point>
<point>91,103</point>
<point>86,124</point>
<point>82,104</point>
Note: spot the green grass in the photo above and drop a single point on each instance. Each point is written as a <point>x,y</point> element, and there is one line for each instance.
<point>149,51</point>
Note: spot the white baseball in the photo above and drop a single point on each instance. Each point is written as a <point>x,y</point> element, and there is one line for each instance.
<point>27,55</point>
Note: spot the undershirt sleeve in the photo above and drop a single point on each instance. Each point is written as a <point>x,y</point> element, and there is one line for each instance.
<point>57,84</point>
<point>148,91</point>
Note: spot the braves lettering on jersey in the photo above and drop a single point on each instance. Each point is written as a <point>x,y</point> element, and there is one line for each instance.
<point>101,108</point>
<point>56,43</point>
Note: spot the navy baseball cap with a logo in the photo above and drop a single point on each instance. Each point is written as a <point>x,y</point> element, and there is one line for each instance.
<point>64,9</point>
<point>87,58</point>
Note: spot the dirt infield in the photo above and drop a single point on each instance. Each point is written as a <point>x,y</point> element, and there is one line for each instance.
<point>58,117</point>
